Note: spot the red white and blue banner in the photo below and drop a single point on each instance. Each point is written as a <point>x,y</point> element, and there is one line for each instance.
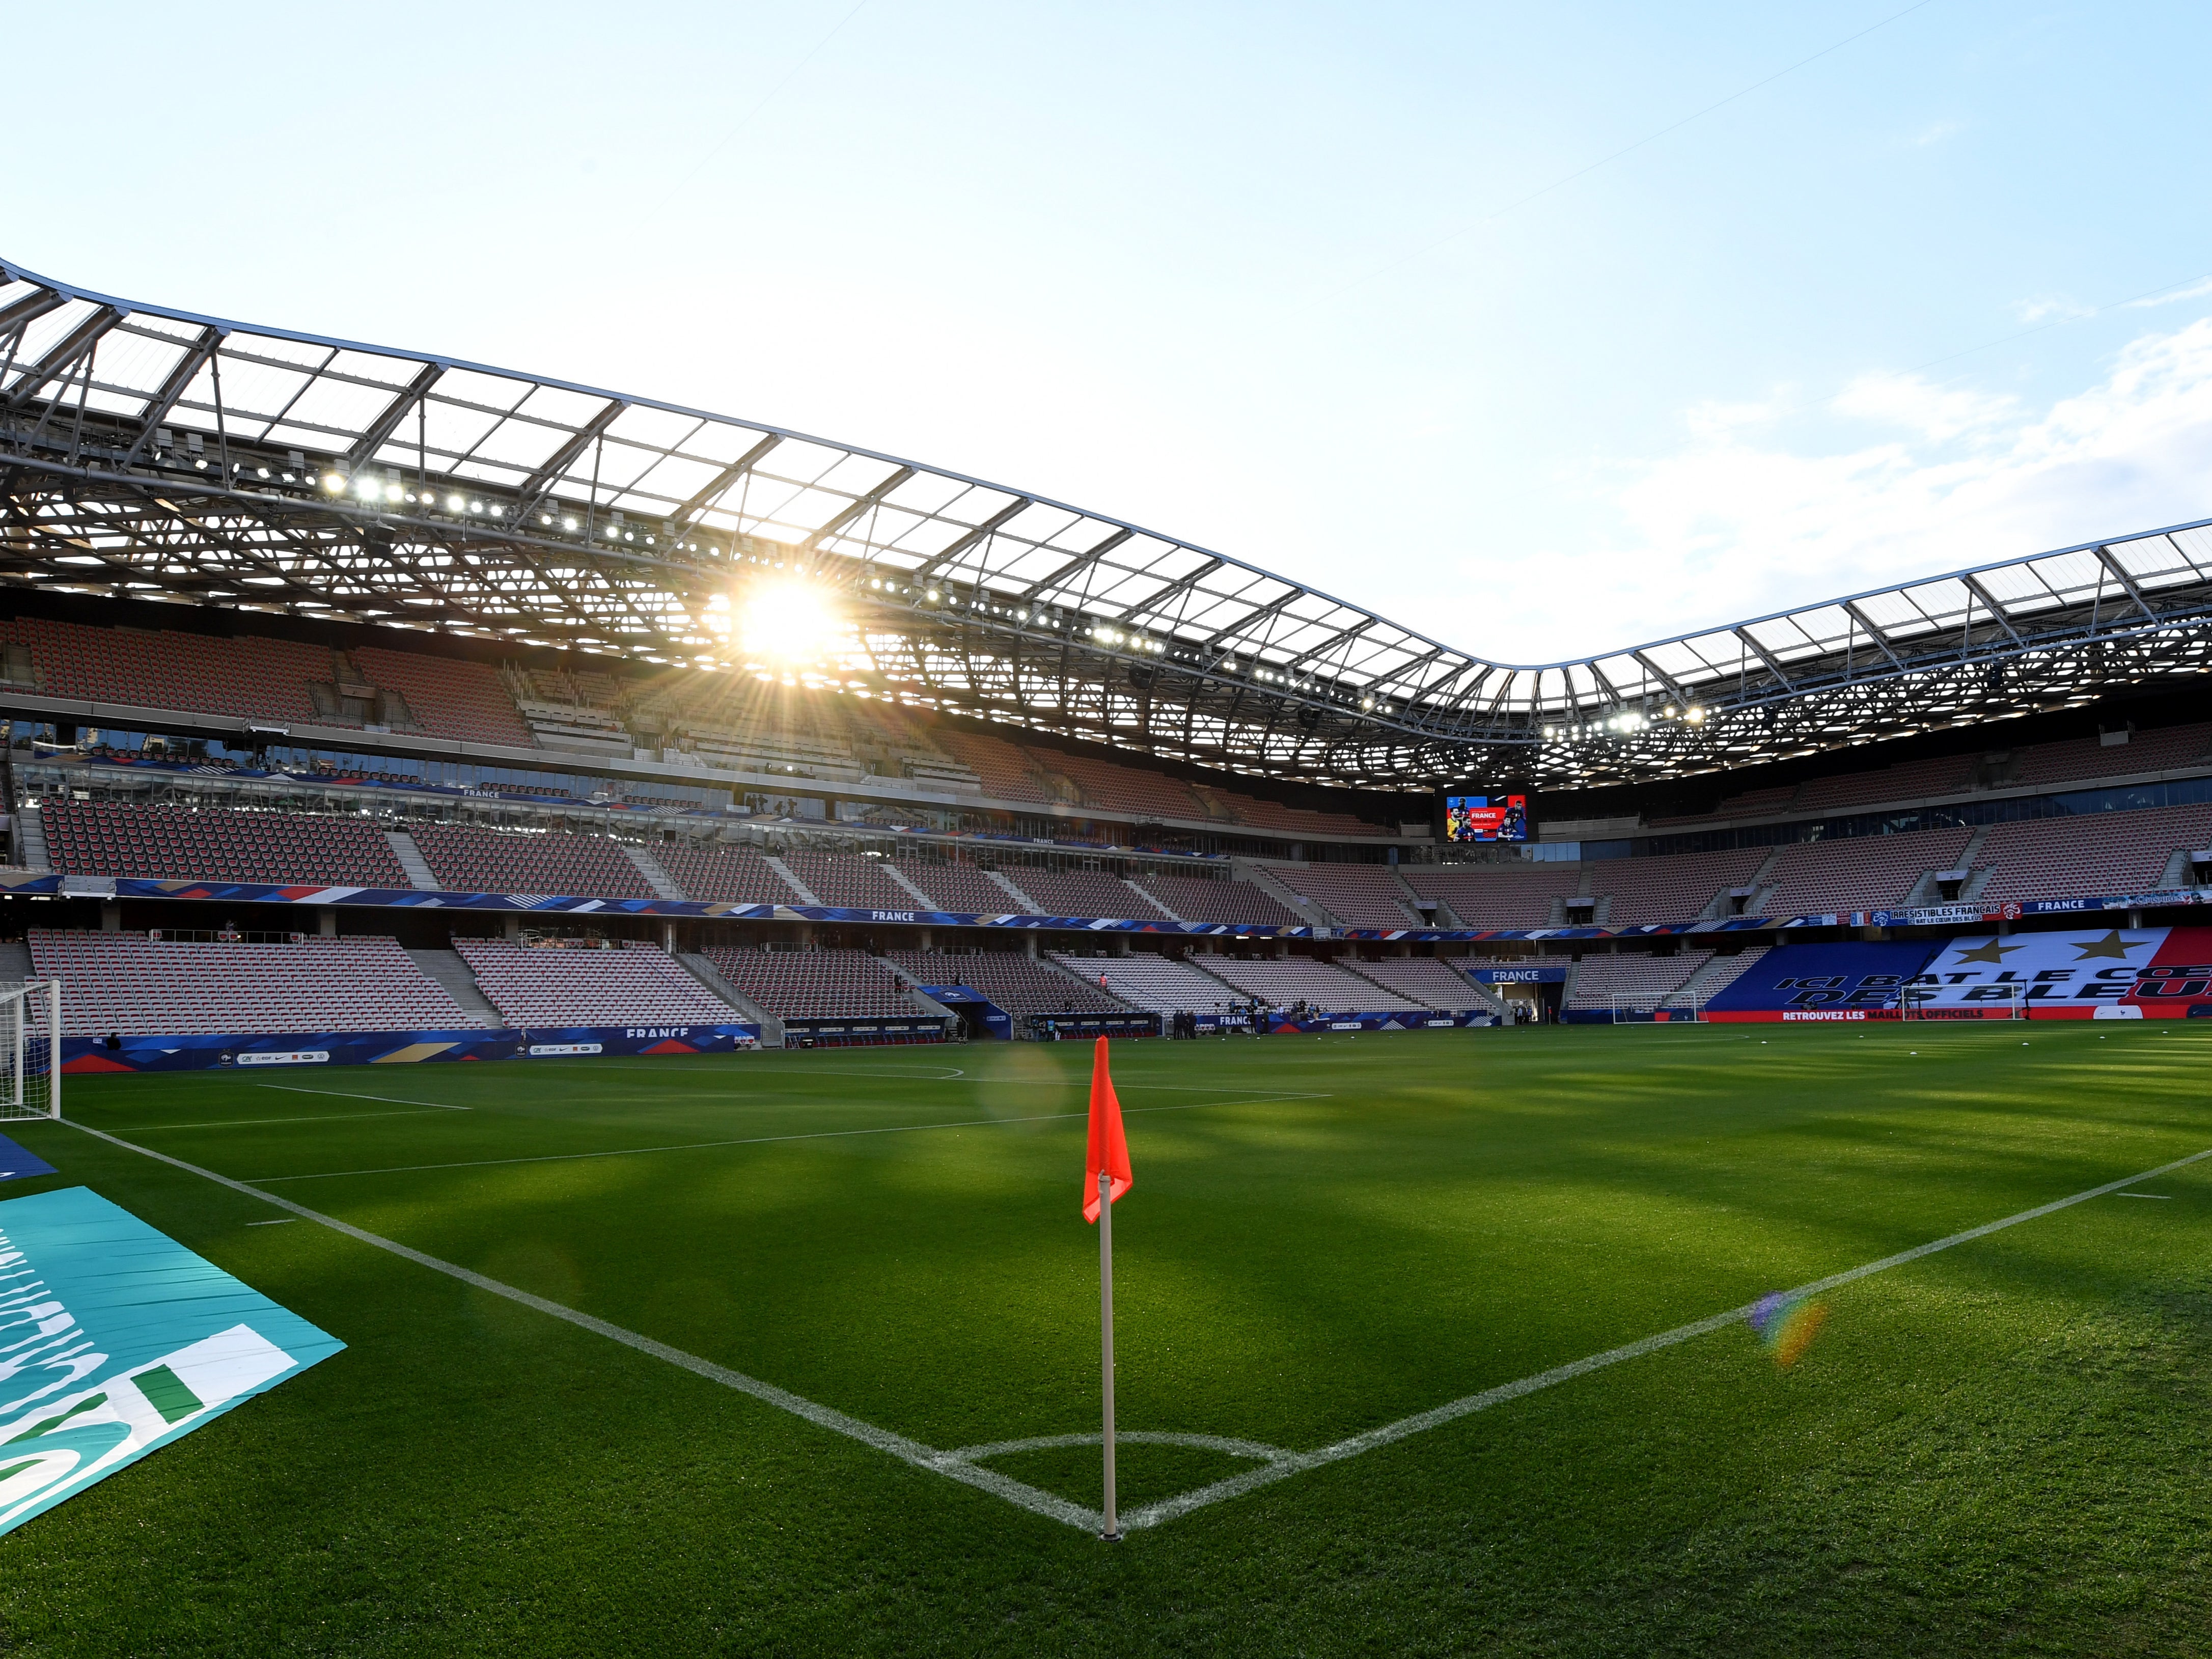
<point>204,1051</point>
<point>2106,973</point>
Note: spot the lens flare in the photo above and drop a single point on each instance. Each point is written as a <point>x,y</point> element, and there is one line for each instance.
<point>1787,1325</point>
<point>791,622</point>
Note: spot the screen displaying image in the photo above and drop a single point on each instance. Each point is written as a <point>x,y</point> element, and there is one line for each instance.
<point>1486,817</point>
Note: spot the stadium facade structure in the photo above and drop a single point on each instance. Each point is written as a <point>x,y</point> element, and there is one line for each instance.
<point>154,451</point>
<point>166,478</point>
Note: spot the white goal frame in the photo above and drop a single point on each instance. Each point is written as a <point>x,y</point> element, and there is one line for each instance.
<point>30,1050</point>
<point>1686,1012</point>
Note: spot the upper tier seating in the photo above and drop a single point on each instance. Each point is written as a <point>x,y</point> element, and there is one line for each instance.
<point>1673,887</point>
<point>1297,980</point>
<point>1201,898</point>
<point>1641,983</point>
<point>111,838</point>
<point>467,860</point>
<point>252,676</point>
<point>1941,775</point>
<point>1015,983</point>
<point>851,880</point>
<point>448,697</point>
<point>2093,855</point>
<point>1113,788</point>
<point>961,888</point>
<point>1861,872</point>
<point>813,984</point>
<point>1356,895</point>
<point>1486,896</point>
<point>1422,980</point>
<point>1081,893</point>
<point>544,988</point>
<point>1152,982</point>
<point>2082,759</point>
<point>1006,772</point>
<point>1751,804</point>
<point>1260,814</point>
<point>131,985</point>
<point>724,875</point>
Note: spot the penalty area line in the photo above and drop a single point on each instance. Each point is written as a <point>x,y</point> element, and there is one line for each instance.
<point>348,1094</point>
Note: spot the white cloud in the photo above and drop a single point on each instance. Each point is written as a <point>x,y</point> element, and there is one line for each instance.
<point>2050,305</point>
<point>2195,290</point>
<point>1733,527</point>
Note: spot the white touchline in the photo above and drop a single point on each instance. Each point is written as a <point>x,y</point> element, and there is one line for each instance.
<point>1276,1464</point>
<point>348,1094</point>
<point>762,1141</point>
<point>248,1122</point>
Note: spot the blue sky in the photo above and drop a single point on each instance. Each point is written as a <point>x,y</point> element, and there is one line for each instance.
<point>1335,289</point>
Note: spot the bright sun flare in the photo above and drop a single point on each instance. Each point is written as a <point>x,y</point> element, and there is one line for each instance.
<point>789,622</point>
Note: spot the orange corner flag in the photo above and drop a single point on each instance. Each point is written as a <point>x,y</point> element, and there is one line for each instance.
<point>1109,1147</point>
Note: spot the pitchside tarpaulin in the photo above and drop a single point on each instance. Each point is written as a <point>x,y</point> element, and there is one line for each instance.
<point>115,1341</point>
<point>2103,973</point>
<point>16,1164</point>
<point>1818,982</point>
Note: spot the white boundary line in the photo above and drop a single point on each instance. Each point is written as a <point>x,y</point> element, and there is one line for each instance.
<point>958,1465</point>
<point>249,1123</point>
<point>349,1094</point>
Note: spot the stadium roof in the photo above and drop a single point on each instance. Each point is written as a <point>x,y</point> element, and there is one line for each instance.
<point>160,454</point>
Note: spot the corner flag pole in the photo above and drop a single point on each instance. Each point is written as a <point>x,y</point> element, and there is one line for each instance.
<point>1107,1176</point>
<point>1113,1529</point>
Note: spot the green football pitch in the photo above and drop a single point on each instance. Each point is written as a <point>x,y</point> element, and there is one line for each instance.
<point>1355,1282</point>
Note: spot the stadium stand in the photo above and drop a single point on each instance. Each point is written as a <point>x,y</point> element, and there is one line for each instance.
<point>1859,873</point>
<point>1715,977</point>
<point>1117,788</point>
<point>113,838</point>
<point>724,875</point>
<point>1282,982</point>
<point>1251,811</point>
<point>1943,775</point>
<point>813,984</point>
<point>961,888</point>
<point>1199,898</point>
<point>1356,895</point>
<point>468,859</point>
<point>1152,982</point>
<point>1080,893</point>
<point>133,985</point>
<point>1422,980</point>
<point>1015,983</point>
<point>1006,771</point>
<point>1495,895</point>
<point>1673,887</point>
<point>542,987</point>
<point>449,698</point>
<point>2083,759</point>
<point>2098,853</point>
<point>852,879</point>
<point>1642,983</point>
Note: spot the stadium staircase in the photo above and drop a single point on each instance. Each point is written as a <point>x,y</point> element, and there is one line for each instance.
<point>890,867</point>
<point>1715,975</point>
<point>791,878</point>
<point>448,968</point>
<point>1256,873</point>
<point>412,861</point>
<point>32,828</point>
<point>920,998</point>
<point>1023,904</point>
<point>710,976</point>
<point>655,877</point>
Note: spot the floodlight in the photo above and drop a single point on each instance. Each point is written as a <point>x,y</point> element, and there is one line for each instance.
<point>455,504</point>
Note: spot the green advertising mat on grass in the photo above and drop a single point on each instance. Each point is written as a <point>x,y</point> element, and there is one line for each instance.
<point>114,1340</point>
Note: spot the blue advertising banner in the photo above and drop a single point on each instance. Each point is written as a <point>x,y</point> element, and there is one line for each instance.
<point>1847,980</point>
<point>206,1051</point>
<point>16,1164</point>
<point>115,1341</point>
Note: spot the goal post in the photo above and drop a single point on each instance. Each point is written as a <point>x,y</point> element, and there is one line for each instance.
<point>30,1049</point>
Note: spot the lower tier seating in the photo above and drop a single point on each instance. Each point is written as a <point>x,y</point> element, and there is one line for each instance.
<point>1640,983</point>
<point>813,984</point>
<point>538,987</point>
<point>1423,980</point>
<point>1017,983</point>
<point>1280,983</point>
<point>1151,982</point>
<point>131,986</point>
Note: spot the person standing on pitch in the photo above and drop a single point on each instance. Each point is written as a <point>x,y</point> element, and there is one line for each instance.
<point>1106,1177</point>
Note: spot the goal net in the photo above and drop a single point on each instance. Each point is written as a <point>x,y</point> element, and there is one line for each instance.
<point>30,1051</point>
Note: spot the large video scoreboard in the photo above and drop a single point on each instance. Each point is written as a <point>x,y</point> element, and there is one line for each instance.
<point>1486,817</point>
